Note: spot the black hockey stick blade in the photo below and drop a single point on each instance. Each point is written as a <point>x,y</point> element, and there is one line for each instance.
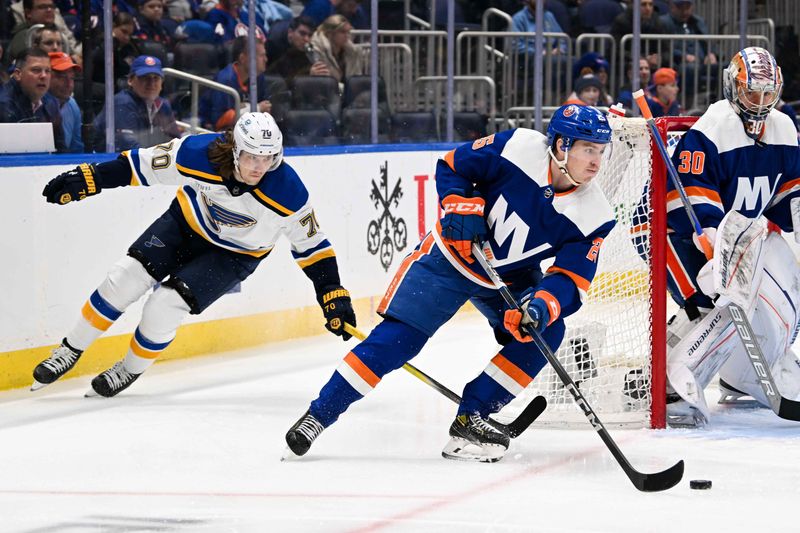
<point>658,481</point>
<point>528,416</point>
<point>789,409</point>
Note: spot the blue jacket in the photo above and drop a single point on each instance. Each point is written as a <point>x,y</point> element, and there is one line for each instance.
<point>15,106</point>
<point>133,125</point>
<point>224,24</point>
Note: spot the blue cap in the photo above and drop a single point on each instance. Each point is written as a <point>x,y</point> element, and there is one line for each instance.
<point>144,65</point>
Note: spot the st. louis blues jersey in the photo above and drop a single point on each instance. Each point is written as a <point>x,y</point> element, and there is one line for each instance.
<point>247,224</point>
<point>722,169</point>
<point>528,221</point>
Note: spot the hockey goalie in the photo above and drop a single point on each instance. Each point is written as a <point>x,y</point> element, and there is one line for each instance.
<point>740,168</point>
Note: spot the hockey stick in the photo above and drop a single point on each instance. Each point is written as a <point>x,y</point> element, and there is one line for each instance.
<point>644,482</point>
<point>514,429</point>
<point>781,406</point>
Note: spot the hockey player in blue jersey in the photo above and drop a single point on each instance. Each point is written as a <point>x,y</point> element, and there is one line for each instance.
<point>740,157</point>
<point>236,195</point>
<point>530,198</point>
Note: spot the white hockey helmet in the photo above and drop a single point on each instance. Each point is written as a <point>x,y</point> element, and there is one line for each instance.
<point>257,134</point>
<point>752,83</point>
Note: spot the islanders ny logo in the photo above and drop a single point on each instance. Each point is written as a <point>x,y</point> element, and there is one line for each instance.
<point>387,232</point>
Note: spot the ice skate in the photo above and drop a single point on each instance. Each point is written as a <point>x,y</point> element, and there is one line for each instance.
<point>682,414</point>
<point>301,436</point>
<point>474,438</point>
<point>111,382</point>
<point>730,395</point>
<point>59,363</point>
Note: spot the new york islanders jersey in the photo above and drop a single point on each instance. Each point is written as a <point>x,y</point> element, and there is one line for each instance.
<point>723,169</point>
<point>247,224</point>
<point>528,221</point>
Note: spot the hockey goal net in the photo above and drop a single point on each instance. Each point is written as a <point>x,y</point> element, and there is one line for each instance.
<point>615,347</point>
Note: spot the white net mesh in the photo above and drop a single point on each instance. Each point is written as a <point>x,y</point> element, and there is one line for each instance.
<point>606,349</point>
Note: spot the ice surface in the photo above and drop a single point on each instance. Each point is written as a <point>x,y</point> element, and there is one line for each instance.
<point>195,446</point>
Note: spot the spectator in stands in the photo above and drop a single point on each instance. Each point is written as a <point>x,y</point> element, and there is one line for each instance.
<point>784,107</point>
<point>148,23</point>
<point>682,20</point>
<point>297,59</point>
<point>594,63</point>
<point>141,116</point>
<point>181,10</point>
<point>332,45</point>
<point>286,34</point>
<point>650,23</point>
<point>625,96</point>
<point>218,112</point>
<point>227,15</point>
<point>588,90</point>
<point>25,98</point>
<point>125,50</point>
<point>62,84</point>
<point>270,11</point>
<point>663,95</point>
<point>524,20</point>
<point>40,12</point>
<point>47,37</point>
<point>320,10</point>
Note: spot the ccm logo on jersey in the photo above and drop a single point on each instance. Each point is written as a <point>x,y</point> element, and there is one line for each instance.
<point>594,251</point>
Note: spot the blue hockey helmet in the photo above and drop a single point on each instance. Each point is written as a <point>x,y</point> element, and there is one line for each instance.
<point>578,122</point>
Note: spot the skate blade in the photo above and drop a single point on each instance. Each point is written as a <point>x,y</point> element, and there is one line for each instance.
<point>37,385</point>
<point>91,393</point>
<point>736,400</point>
<point>289,455</point>
<point>459,449</point>
<point>684,422</point>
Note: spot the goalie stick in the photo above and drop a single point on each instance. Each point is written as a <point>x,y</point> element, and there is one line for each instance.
<point>781,406</point>
<point>514,429</point>
<point>655,482</point>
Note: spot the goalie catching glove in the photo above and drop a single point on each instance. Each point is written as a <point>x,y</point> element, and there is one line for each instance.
<point>73,185</point>
<point>462,222</point>
<point>338,310</point>
<point>534,314</point>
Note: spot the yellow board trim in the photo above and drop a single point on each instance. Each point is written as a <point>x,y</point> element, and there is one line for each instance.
<point>273,203</point>
<point>202,338</point>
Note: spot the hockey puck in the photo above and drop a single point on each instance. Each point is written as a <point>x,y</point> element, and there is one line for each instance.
<point>700,484</point>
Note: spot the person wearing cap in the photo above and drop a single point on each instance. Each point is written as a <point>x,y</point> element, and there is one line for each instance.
<point>148,23</point>
<point>62,84</point>
<point>25,98</point>
<point>588,90</point>
<point>141,116</point>
<point>593,63</point>
<point>663,94</point>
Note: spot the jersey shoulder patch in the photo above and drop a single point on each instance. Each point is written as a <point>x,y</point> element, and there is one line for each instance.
<point>192,159</point>
<point>282,191</point>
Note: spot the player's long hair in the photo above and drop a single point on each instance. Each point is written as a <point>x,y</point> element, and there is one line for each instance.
<point>220,155</point>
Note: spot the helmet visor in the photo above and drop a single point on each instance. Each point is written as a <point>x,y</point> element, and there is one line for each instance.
<point>759,100</point>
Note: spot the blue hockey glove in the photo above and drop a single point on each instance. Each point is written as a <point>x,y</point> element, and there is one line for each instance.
<point>535,314</point>
<point>338,310</point>
<point>462,222</point>
<point>73,185</point>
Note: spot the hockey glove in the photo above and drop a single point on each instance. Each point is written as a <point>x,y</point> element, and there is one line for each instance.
<point>462,222</point>
<point>338,310</point>
<point>534,314</point>
<point>75,184</point>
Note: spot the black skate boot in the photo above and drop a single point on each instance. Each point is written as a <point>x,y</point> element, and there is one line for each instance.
<point>302,434</point>
<point>59,363</point>
<point>113,381</point>
<point>474,438</point>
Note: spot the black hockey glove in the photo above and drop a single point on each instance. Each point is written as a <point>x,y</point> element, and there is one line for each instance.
<point>75,184</point>
<point>338,310</point>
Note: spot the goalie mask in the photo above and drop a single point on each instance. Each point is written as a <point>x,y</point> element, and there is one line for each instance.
<point>572,123</point>
<point>257,134</point>
<point>752,83</point>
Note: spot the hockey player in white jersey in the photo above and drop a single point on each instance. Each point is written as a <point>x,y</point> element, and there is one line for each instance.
<point>740,168</point>
<point>236,195</point>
